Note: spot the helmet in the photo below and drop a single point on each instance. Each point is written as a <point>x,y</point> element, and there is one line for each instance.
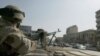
<point>12,11</point>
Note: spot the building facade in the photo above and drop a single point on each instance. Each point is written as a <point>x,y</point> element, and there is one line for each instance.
<point>84,37</point>
<point>98,28</point>
<point>98,24</point>
<point>26,29</point>
<point>72,29</point>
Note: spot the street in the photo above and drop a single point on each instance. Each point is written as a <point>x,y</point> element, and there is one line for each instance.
<point>67,51</point>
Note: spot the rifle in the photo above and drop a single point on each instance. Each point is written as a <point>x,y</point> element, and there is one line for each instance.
<point>53,35</point>
<point>42,36</point>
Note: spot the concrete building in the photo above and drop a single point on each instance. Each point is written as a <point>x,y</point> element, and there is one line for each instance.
<point>98,24</point>
<point>84,37</point>
<point>70,38</point>
<point>88,36</point>
<point>26,29</point>
<point>72,29</point>
<point>98,28</point>
<point>70,32</point>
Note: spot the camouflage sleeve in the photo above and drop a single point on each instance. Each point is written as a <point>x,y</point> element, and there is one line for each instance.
<point>20,43</point>
<point>29,44</point>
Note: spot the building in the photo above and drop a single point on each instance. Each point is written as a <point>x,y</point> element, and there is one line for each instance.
<point>98,28</point>
<point>84,37</point>
<point>26,29</point>
<point>72,29</point>
<point>98,24</point>
<point>88,36</point>
<point>70,38</point>
<point>70,32</point>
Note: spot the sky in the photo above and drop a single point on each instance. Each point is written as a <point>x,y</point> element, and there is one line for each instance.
<point>53,14</point>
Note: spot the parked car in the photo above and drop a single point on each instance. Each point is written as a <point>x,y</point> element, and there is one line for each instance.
<point>79,46</point>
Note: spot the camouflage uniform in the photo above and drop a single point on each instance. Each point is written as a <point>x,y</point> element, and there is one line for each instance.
<point>42,38</point>
<point>12,41</point>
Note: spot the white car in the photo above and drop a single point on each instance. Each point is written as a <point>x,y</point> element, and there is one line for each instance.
<point>82,47</point>
<point>79,46</point>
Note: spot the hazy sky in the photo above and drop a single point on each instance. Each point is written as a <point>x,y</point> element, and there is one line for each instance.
<point>53,14</point>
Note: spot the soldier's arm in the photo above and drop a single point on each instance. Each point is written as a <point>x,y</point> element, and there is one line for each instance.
<point>20,43</point>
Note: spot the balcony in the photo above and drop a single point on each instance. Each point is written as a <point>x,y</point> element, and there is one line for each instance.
<point>98,25</point>
<point>98,30</point>
<point>97,16</point>
<point>98,21</point>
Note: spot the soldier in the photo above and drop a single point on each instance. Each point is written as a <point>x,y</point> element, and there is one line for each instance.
<point>12,41</point>
<point>42,38</point>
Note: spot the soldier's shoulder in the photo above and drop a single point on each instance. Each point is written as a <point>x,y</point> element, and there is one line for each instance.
<point>11,31</point>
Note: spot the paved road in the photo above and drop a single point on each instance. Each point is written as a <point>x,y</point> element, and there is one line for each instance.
<point>76,52</point>
<point>66,51</point>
